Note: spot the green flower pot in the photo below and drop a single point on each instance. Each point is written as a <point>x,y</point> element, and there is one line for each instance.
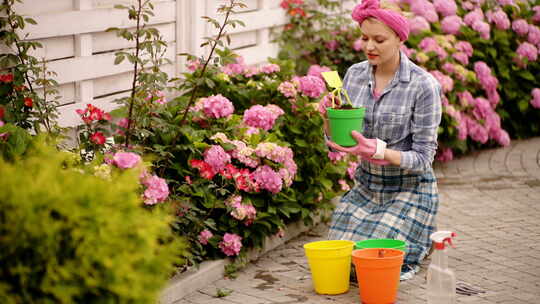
<point>381,243</point>
<point>343,122</point>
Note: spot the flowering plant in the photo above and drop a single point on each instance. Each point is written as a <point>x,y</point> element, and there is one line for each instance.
<point>475,49</point>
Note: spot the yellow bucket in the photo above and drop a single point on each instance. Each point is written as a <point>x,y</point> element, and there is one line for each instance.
<point>330,265</point>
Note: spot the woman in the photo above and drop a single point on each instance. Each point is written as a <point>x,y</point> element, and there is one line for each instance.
<point>395,195</point>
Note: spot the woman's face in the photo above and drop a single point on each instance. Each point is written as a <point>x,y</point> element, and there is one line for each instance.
<point>379,42</point>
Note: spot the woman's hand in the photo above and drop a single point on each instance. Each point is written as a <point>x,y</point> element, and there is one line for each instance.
<point>365,148</point>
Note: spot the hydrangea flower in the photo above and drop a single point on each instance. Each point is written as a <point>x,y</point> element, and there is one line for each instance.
<point>268,179</point>
<point>535,101</point>
<point>446,155</point>
<point>126,160</point>
<point>156,190</point>
<point>316,70</point>
<point>445,7</point>
<point>451,24</point>
<point>217,106</point>
<point>288,89</point>
<point>527,50</point>
<point>520,26</point>
<point>204,236</point>
<point>216,157</point>
<point>262,117</point>
<point>231,244</point>
<point>270,68</point>
<point>311,86</point>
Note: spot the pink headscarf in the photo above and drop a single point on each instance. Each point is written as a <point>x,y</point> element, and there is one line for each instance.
<point>371,8</point>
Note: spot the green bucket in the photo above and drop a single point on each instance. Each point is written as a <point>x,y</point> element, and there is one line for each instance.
<point>343,122</point>
<point>382,243</point>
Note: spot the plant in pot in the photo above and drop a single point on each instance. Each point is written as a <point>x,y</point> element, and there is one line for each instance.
<point>343,117</point>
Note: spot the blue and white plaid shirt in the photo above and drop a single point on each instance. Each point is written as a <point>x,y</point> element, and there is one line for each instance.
<point>406,115</point>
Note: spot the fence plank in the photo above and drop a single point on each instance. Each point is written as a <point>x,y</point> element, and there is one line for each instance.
<point>108,41</point>
<point>93,67</point>
<point>96,20</point>
<point>259,20</point>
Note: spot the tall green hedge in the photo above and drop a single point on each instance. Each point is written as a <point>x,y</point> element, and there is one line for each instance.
<point>68,237</point>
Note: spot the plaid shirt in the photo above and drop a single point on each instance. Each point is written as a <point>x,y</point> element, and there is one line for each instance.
<point>407,113</point>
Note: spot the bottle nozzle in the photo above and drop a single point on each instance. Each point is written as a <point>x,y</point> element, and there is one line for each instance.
<point>442,237</point>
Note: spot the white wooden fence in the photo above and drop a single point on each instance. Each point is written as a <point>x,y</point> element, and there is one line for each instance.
<point>78,49</point>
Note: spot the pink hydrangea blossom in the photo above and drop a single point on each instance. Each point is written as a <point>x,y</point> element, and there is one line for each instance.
<point>501,136</point>
<point>193,65</point>
<point>216,157</point>
<point>483,72</point>
<point>520,26</point>
<point>311,86</point>
<point>446,155</point>
<point>465,47</point>
<point>417,24</point>
<point>506,2</point>
<point>448,68</point>
<point>231,244</point>
<point>461,58</point>
<point>156,190</point>
<point>270,68</point>
<point>332,45</point>
<point>351,169</point>
<point>357,45</point>
<point>534,34</point>
<point>251,71</point>
<point>476,131</point>
<point>425,9</point>
<point>344,185</point>
<point>268,179</point>
<point>466,99</point>
<point>474,16</point>
<point>445,7</point>
<point>451,24</point>
<point>447,83</point>
<point>482,28</point>
<point>535,101</point>
<point>288,89</point>
<point>527,50</point>
<point>536,10</point>
<point>316,70</point>
<point>126,160</point>
<point>262,117</point>
<point>500,19</point>
<point>204,236</point>
<point>336,156</point>
<point>408,51</point>
<point>237,68</point>
<point>217,106</point>
<point>429,44</point>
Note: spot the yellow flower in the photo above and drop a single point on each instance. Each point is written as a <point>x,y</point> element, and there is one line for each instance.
<point>223,77</point>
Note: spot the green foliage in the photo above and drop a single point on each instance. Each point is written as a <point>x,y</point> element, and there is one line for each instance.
<point>69,237</point>
<point>21,73</point>
<point>325,33</point>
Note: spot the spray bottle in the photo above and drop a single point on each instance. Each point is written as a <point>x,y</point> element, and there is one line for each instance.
<point>441,281</point>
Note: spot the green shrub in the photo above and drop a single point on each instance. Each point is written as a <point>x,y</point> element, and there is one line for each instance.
<point>69,237</point>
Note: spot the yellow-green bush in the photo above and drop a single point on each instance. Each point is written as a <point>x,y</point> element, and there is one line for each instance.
<point>68,237</point>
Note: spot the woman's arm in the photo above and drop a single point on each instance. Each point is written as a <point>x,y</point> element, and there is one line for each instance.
<point>424,126</point>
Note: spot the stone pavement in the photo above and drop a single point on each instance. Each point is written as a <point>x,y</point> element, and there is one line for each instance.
<point>491,199</point>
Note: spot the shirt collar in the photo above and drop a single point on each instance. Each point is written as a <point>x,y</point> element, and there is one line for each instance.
<point>404,71</point>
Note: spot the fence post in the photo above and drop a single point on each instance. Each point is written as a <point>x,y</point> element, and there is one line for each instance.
<point>84,90</point>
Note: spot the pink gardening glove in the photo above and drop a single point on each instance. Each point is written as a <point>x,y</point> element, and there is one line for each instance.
<point>365,148</point>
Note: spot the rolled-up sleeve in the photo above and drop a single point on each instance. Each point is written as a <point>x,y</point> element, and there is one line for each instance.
<point>424,127</point>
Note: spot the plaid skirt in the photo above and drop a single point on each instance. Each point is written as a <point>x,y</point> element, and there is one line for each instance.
<point>389,202</point>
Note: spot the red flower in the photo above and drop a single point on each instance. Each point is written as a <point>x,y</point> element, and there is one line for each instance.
<point>6,78</point>
<point>297,11</point>
<point>2,112</point>
<point>229,171</point>
<point>28,102</point>
<point>205,169</point>
<point>92,113</point>
<point>288,27</point>
<point>98,138</point>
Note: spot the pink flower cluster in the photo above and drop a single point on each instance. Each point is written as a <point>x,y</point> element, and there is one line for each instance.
<point>288,89</point>
<point>316,70</point>
<point>204,236</point>
<point>241,211</point>
<point>280,155</point>
<point>535,101</point>
<point>447,83</point>
<point>310,86</point>
<point>239,67</point>
<point>216,157</point>
<point>488,82</point>
<point>157,96</point>
<point>262,117</point>
<point>126,160</point>
<point>268,179</point>
<point>156,190</point>
<point>231,244</point>
<point>217,106</point>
